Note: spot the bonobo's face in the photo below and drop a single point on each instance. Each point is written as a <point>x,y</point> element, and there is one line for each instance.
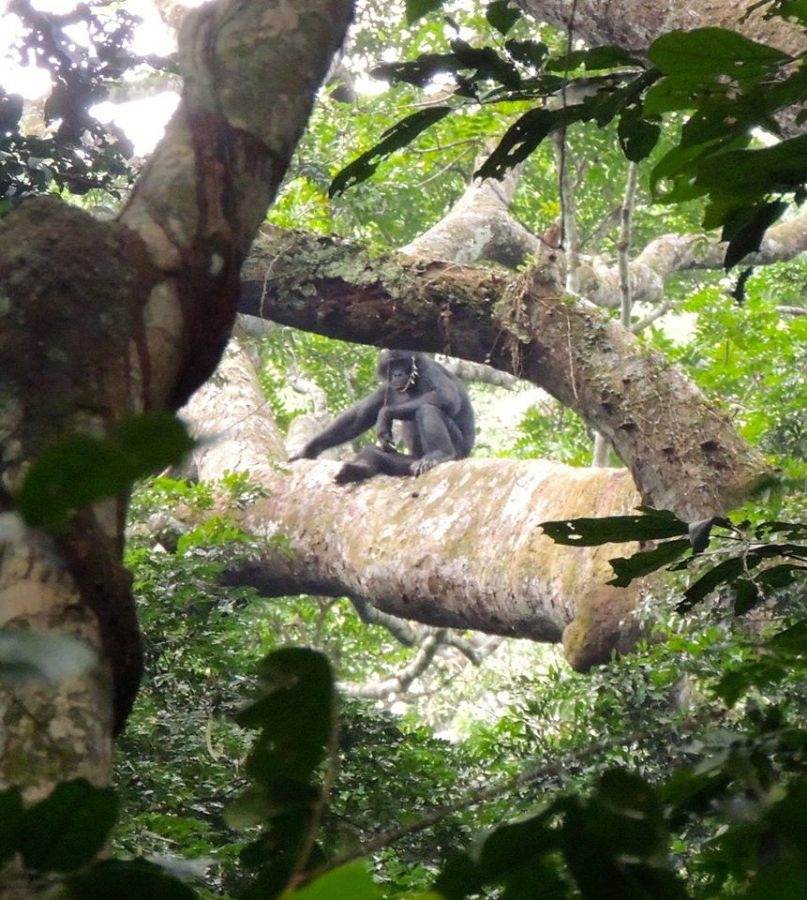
<point>400,375</point>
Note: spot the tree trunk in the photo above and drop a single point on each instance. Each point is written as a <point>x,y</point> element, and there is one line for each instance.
<point>101,320</point>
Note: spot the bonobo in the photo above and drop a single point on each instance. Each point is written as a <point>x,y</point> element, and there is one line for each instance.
<point>433,406</point>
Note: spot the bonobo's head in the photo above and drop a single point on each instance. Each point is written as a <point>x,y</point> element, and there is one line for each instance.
<point>399,369</point>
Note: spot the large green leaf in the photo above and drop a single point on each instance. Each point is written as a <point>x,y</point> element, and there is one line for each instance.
<point>646,561</point>
<point>350,882</point>
<point>69,827</point>
<point>416,9</point>
<point>295,715</point>
<point>501,15</point>
<point>127,880</point>
<point>637,134</point>
<point>11,818</point>
<point>711,52</point>
<point>401,134</point>
<point>754,173</point>
<point>654,524</point>
<point>81,469</point>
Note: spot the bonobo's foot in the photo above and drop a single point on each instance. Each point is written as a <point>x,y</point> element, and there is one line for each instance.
<point>419,466</point>
<point>354,471</point>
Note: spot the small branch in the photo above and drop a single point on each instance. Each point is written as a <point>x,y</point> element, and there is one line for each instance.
<point>623,244</point>
<point>792,310</point>
<point>307,387</point>
<point>648,320</point>
<point>571,239</point>
<point>599,456</point>
<point>398,684</point>
<point>400,629</point>
<point>476,654</point>
<point>470,371</point>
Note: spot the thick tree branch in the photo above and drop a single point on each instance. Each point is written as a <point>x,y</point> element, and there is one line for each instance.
<point>635,24</point>
<point>683,454</point>
<point>102,320</point>
<point>459,547</point>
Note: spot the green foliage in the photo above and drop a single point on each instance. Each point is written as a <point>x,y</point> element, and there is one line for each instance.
<point>79,470</point>
<point>295,718</point>
<point>79,154</point>
<point>727,83</point>
<point>401,134</point>
<point>752,358</point>
<point>350,882</point>
<point>64,832</point>
<point>744,547</point>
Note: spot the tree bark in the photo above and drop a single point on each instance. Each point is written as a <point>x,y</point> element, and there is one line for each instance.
<point>635,24</point>
<point>101,320</point>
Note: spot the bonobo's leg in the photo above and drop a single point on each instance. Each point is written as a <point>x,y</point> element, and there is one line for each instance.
<point>434,432</point>
<point>372,461</point>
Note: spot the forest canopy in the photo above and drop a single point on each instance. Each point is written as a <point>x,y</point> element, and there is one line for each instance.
<point>586,642</point>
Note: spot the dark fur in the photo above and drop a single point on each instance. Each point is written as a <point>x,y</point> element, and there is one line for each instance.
<point>431,403</point>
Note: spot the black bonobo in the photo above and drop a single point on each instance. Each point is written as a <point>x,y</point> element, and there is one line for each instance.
<point>432,404</point>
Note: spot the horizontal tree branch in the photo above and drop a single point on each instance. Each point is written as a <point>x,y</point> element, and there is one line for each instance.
<point>682,453</point>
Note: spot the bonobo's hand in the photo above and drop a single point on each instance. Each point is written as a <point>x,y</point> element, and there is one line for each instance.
<point>383,429</point>
<point>307,452</point>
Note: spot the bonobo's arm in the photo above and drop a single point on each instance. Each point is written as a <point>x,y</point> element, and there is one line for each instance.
<point>446,398</point>
<point>346,426</point>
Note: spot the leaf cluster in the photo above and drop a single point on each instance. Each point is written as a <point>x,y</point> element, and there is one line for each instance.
<point>744,548</point>
<point>724,83</point>
<point>62,835</point>
<point>76,153</point>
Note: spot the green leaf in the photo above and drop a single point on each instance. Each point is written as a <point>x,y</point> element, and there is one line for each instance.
<point>700,532</point>
<point>295,717</point>
<point>646,561</point>
<point>788,529</point>
<point>350,882</point>
<point>31,654</point>
<point>69,827</point>
<point>653,525</point>
<point>746,596</point>
<point>418,71</point>
<point>516,845</point>
<point>11,818</point>
<point>791,641</point>
<point>502,16</point>
<point>710,52</point>
<point>744,173</point>
<point>83,469</point>
<point>530,53</point>
<point>11,107</point>
<point>127,880</point>
<point>487,62</point>
<point>609,56</point>
<point>637,135</point>
<point>518,142</point>
<point>723,572</point>
<point>151,442</point>
<point>416,9</point>
<point>401,134</point>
